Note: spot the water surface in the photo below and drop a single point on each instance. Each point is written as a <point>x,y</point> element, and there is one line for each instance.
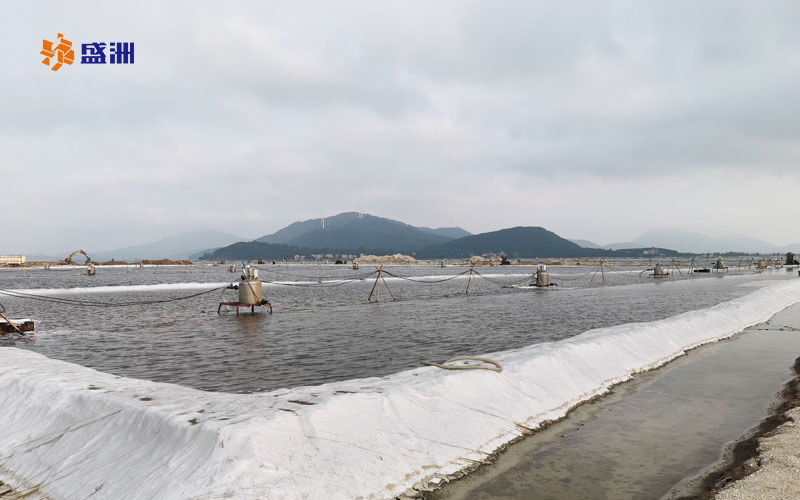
<point>324,330</point>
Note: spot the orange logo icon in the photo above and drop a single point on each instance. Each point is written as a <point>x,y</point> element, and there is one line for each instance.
<point>63,52</point>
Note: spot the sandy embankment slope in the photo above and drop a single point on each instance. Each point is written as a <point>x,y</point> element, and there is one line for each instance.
<point>778,462</point>
<point>776,465</point>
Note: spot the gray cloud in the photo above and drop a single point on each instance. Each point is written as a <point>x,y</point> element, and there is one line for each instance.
<point>429,113</point>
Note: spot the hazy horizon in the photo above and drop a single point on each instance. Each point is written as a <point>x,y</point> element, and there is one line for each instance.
<point>676,245</point>
<point>597,121</point>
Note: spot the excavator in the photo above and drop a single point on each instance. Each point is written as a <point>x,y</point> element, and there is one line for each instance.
<point>90,267</point>
<point>68,260</point>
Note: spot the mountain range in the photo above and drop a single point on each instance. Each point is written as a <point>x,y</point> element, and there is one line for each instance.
<point>355,233</point>
<point>190,245</point>
<point>695,242</point>
<point>514,242</point>
<point>351,231</point>
<point>186,245</point>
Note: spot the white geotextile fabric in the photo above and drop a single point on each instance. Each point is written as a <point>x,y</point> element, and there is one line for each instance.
<point>72,432</point>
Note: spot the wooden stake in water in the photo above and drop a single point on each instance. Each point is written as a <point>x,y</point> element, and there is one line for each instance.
<point>601,270</point>
<point>470,277</point>
<point>376,287</point>
<point>676,266</point>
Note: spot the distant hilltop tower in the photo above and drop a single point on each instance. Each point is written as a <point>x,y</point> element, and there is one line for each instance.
<point>323,223</point>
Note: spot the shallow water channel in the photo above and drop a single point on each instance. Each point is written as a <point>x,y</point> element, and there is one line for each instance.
<point>651,438</point>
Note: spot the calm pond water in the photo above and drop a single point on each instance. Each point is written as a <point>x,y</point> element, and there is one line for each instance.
<point>322,330</point>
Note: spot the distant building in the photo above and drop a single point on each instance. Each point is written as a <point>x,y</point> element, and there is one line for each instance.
<point>12,260</point>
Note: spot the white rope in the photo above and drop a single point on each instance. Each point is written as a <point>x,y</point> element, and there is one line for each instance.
<point>496,367</point>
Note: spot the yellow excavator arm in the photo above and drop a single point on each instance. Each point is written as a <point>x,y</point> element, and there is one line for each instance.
<point>68,260</point>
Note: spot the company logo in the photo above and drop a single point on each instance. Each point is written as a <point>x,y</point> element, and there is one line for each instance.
<point>91,53</point>
<point>63,52</point>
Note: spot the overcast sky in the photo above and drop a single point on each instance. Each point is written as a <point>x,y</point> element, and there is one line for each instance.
<point>596,120</point>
